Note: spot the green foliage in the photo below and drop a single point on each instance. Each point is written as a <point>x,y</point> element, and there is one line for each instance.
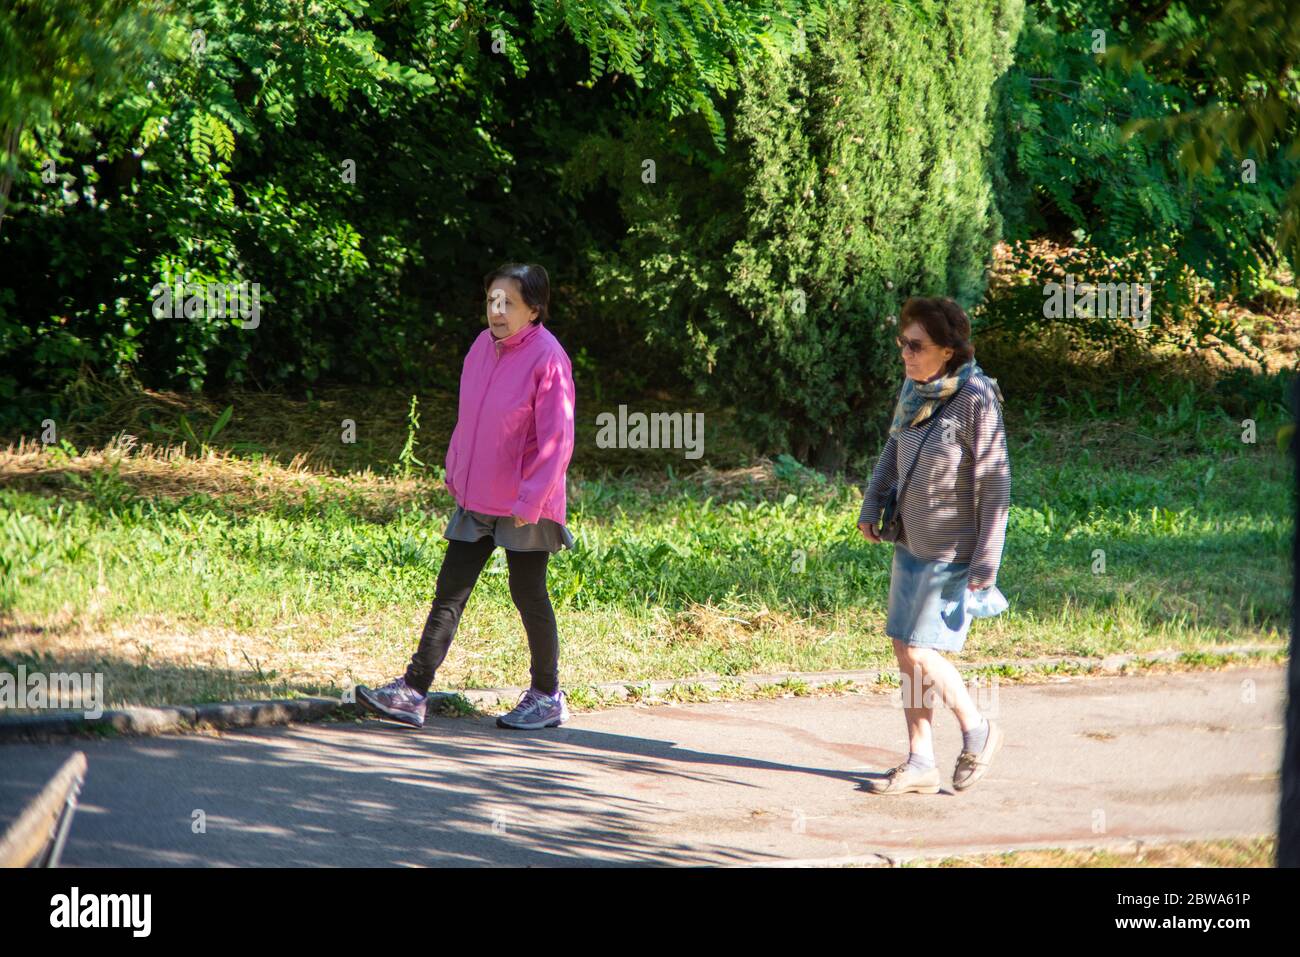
<point>63,63</point>
<point>1242,54</point>
<point>184,431</point>
<point>1072,168</point>
<point>406,458</point>
<point>815,163</point>
<point>776,270</point>
<point>687,52</point>
<point>352,159</point>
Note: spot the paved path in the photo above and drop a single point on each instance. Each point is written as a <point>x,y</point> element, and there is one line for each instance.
<point>1087,761</point>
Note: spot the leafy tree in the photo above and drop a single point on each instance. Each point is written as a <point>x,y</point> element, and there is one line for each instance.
<point>1129,205</point>
<point>222,159</point>
<point>61,63</point>
<point>1242,58</point>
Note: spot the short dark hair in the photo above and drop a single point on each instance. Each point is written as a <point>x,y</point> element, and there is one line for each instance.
<point>945,322</point>
<point>534,285</point>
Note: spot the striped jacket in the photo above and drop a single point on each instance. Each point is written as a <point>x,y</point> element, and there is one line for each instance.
<point>955,506</point>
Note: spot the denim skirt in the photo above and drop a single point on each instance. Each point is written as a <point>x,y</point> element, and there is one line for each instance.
<point>927,602</point>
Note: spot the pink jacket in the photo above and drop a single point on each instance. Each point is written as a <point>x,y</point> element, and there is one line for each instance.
<point>514,427</point>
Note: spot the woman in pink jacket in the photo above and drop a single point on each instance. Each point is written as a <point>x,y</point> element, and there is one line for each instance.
<point>506,470</point>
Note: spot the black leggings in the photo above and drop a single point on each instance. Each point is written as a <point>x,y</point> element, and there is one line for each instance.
<point>460,570</point>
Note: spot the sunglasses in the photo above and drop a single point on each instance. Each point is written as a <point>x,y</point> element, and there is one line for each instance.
<point>914,346</point>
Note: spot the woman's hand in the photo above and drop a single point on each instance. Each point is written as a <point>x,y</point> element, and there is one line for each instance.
<point>869,532</point>
<point>519,522</point>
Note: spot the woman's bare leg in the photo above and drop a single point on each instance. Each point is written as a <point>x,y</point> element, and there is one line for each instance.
<point>949,687</point>
<point>920,718</point>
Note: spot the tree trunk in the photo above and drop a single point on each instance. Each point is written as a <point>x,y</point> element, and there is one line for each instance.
<point>1288,829</point>
<point>7,178</point>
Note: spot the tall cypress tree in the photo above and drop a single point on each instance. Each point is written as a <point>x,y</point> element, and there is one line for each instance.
<point>859,173</point>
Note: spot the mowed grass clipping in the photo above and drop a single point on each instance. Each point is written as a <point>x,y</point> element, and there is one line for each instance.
<point>1137,524</point>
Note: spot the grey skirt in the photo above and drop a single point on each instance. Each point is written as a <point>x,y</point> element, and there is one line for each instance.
<point>544,535</point>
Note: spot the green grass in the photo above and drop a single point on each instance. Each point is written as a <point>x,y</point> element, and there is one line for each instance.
<point>308,582</point>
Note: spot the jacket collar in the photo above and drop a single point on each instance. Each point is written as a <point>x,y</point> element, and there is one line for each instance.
<point>524,335</point>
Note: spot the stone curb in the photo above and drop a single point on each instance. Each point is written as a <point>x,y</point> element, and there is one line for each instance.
<point>147,721</point>
<point>815,679</point>
<point>248,714</point>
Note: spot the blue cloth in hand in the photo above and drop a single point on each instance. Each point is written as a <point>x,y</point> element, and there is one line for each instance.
<point>986,602</point>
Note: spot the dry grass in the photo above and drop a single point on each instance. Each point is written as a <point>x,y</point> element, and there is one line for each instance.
<point>1236,852</point>
<point>714,625</point>
<point>1269,332</point>
<point>306,433</point>
<point>150,661</point>
<point>175,472</point>
<point>306,430</point>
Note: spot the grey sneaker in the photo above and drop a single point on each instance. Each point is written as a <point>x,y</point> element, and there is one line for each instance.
<point>396,700</point>
<point>536,710</point>
<point>907,780</point>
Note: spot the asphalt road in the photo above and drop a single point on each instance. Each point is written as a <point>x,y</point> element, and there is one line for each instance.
<point>1086,761</point>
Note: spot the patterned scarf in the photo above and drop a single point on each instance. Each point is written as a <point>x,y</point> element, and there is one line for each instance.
<point>917,401</point>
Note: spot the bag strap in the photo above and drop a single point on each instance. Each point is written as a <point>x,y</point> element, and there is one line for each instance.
<point>933,419</point>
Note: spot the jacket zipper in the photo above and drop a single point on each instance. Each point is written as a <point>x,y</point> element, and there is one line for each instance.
<point>469,462</point>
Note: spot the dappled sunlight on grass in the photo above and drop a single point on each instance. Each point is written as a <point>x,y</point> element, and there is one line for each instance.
<point>1140,521</point>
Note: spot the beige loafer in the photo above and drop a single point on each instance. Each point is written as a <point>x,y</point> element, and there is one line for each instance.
<point>971,766</point>
<point>905,780</point>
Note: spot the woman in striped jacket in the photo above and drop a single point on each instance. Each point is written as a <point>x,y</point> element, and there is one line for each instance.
<point>953,509</point>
